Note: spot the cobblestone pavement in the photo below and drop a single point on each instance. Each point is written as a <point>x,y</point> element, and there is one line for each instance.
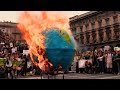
<point>76,76</point>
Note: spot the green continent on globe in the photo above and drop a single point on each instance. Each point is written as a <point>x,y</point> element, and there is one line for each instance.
<point>66,36</point>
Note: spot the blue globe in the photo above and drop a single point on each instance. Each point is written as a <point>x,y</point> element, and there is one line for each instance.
<point>60,48</point>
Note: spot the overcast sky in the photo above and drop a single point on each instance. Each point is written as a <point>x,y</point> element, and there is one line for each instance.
<point>13,15</point>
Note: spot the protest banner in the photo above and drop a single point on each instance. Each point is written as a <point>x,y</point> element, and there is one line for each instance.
<point>82,63</point>
<point>25,52</point>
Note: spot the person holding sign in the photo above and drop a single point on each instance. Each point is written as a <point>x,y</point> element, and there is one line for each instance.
<point>109,62</point>
<point>82,65</point>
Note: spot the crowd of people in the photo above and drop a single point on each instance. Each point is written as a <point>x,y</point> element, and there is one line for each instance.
<point>98,61</point>
<point>12,50</point>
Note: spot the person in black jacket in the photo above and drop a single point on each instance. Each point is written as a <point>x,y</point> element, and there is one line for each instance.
<point>77,65</point>
<point>24,62</point>
<point>117,59</point>
<point>114,63</point>
<point>95,63</point>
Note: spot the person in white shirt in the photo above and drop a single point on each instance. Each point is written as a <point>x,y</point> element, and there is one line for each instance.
<point>101,63</point>
<point>108,60</point>
<point>13,50</point>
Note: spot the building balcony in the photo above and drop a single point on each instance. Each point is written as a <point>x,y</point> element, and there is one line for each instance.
<point>107,40</point>
<point>82,45</point>
<point>116,24</point>
<point>100,28</point>
<point>112,40</point>
<point>108,31</point>
<point>77,34</point>
<point>88,44</point>
<point>101,42</point>
<point>76,37</point>
<point>116,39</point>
<point>107,26</point>
<point>95,43</point>
<point>116,29</point>
<point>93,30</point>
<point>81,32</point>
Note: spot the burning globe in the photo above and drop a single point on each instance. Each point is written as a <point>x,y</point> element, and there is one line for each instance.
<point>49,39</point>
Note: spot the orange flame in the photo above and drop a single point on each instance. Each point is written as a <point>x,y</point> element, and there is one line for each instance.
<point>32,25</point>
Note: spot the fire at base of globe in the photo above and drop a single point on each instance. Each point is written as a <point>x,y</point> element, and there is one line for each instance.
<point>60,48</point>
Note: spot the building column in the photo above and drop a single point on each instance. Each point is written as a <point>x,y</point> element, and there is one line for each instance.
<point>104,35</point>
<point>112,34</point>
<point>91,39</point>
<point>119,34</point>
<point>79,43</point>
<point>77,29</point>
<point>97,36</point>
<point>85,39</point>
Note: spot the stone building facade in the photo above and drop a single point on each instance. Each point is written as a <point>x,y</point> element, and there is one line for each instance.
<point>96,29</point>
<point>11,29</point>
